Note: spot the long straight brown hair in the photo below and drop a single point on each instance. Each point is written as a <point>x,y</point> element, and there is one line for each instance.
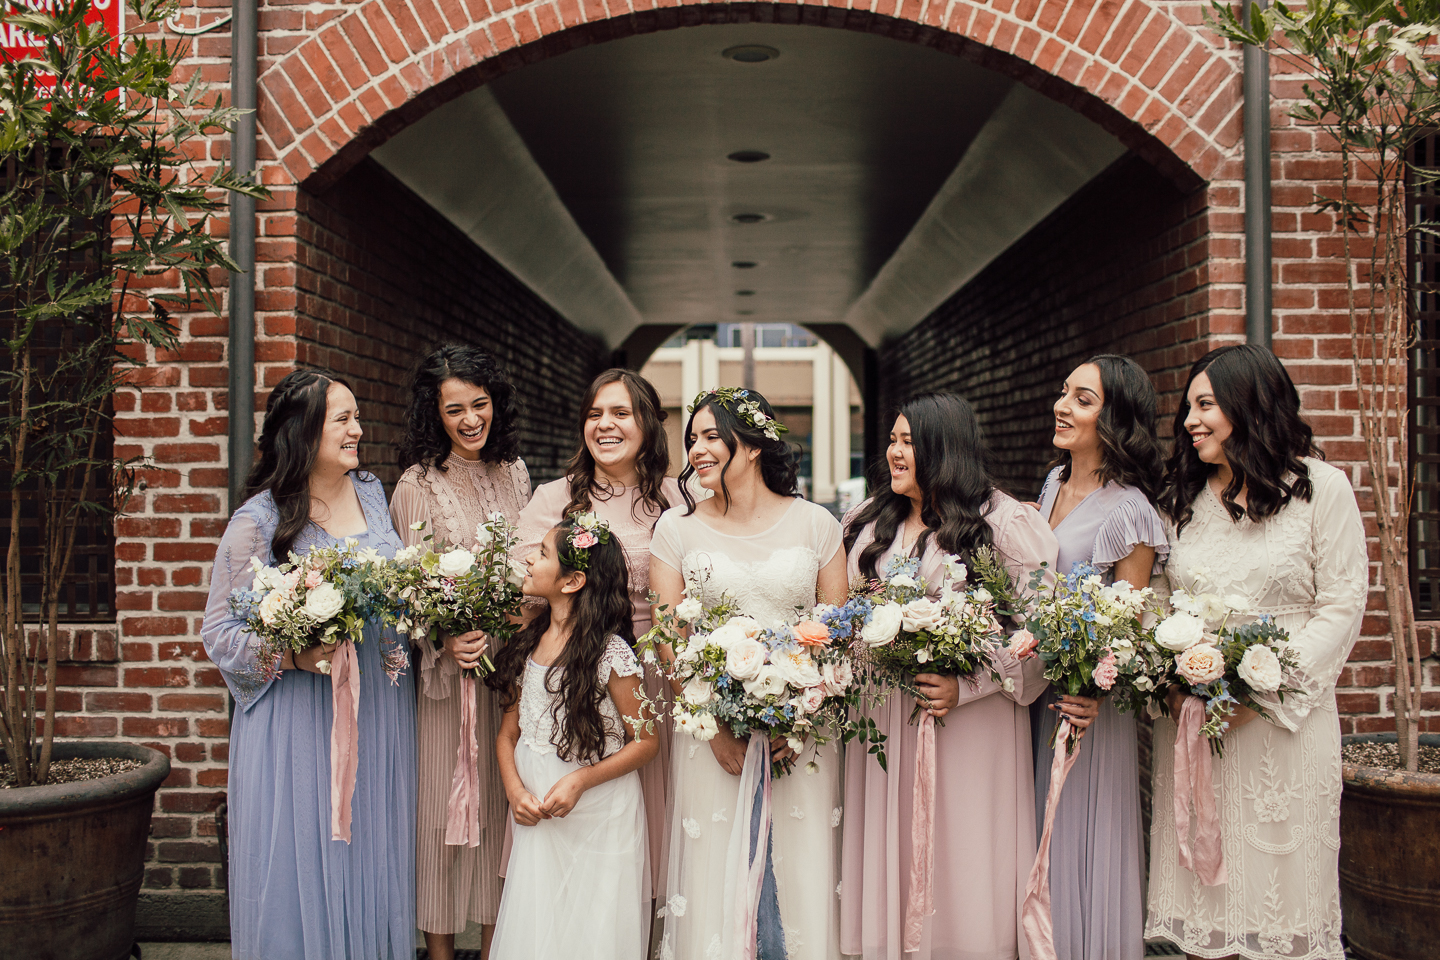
<point>652,463</point>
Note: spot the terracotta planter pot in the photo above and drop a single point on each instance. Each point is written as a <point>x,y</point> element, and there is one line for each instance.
<point>72,856</point>
<point>1390,861</point>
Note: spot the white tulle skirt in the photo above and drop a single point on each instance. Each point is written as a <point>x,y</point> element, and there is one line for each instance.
<point>578,887</point>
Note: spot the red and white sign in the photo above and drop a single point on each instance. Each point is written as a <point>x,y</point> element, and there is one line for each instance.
<point>16,44</point>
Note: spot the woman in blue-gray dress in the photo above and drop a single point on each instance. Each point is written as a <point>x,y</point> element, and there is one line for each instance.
<point>1099,501</point>
<point>294,891</point>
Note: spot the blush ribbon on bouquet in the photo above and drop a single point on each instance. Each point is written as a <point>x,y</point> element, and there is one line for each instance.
<point>462,816</point>
<point>344,737</point>
<point>1193,782</point>
<point>921,903</point>
<point>1035,911</point>
<point>752,929</point>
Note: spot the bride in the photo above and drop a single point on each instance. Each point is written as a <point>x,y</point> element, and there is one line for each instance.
<point>770,551</point>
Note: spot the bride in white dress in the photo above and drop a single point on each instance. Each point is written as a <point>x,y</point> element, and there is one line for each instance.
<point>771,552</point>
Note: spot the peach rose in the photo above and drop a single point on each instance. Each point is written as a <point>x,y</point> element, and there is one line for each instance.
<point>808,633</point>
<point>1202,663</point>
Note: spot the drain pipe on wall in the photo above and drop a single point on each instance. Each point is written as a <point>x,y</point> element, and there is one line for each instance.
<point>243,69</point>
<point>1257,192</point>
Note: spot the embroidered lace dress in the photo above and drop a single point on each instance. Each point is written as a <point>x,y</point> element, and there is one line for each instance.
<point>632,526</point>
<point>984,833</point>
<point>1278,785</point>
<point>577,887</point>
<point>456,883</point>
<point>296,894</point>
<point>768,574</point>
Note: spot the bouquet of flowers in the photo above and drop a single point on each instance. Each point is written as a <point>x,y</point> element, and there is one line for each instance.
<point>1223,663</point>
<point>460,589</point>
<point>327,595</point>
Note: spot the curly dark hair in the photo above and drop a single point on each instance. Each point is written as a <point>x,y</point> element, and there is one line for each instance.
<point>1268,438</point>
<point>1129,450</point>
<point>652,463</point>
<point>600,610</point>
<point>777,461</point>
<point>425,441</point>
<point>952,469</point>
<point>289,441</point>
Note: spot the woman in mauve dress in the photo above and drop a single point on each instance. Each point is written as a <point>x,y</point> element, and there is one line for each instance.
<point>1099,501</point>
<point>941,500</point>
<point>618,472</point>
<point>459,455</point>
<point>295,892</point>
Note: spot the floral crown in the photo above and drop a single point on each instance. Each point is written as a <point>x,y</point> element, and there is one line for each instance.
<point>737,401</point>
<point>587,531</point>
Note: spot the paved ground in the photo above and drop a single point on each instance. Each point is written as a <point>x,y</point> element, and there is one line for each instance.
<point>467,941</point>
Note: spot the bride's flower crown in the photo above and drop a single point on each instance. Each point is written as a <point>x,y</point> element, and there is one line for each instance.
<point>588,530</point>
<point>737,401</point>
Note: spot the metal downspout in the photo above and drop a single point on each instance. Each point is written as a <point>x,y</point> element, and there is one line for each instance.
<point>243,68</point>
<point>1257,193</point>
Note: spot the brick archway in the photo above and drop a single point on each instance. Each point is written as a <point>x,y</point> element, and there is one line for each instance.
<point>1163,86</point>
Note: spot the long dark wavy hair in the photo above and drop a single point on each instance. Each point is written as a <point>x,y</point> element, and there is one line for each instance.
<point>952,469</point>
<point>777,463</point>
<point>289,442</point>
<point>1267,438</point>
<point>599,610</point>
<point>652,463</point>
<point>1129,450</point>
<point>425,441</point>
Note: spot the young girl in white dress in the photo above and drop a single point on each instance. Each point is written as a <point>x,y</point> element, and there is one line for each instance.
<point>571,741</point>
<point>757,541</point>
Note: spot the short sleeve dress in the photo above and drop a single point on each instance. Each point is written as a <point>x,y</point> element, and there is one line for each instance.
<point>769,574</point>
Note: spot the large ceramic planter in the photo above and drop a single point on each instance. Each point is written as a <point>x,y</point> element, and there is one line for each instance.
<point>72,856</point>
<point>1390,861</point>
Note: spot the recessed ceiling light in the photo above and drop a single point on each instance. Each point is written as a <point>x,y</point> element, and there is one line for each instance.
<point>749,217</point>
<point>751,53</point>
<point>744,264</point>
<point>748,156</point>
<point>744,293</point>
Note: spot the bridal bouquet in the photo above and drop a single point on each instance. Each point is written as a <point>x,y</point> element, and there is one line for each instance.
<point>460,589</point>
<point>327,595</point>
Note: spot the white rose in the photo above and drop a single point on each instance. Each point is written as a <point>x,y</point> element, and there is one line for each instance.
<point>748,626</point>
<point>796,668</point>
<point>1237,603</point>
<point>1201,663</point>
<point>744,658</point>
<point>883,626</point>
<point>822,610</point>
<point>705,728</point>
<point>1260,668</point>
<point>689,610</point>
<point>515,572</point>
<point>837,677</point>
<point>697,692</point>
<point>766,683</point>
<point>811,699</point>
<point>407,555</point>
<point>456,563</point>
<point>921,614</point>
<point>901,580</point>
<point>483,536</point>
<point>1179,631</point>
<point>271,607</point>
<point>981,595</point>
<point>323,602</point>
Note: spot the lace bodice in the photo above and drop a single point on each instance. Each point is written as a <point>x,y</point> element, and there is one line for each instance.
<point>538,719</point>
<point>768,574</point>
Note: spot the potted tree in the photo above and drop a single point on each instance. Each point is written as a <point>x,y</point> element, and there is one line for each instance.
<point>1373,86</point>
<point>102,204</point>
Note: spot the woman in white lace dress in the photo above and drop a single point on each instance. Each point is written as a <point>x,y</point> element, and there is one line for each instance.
<point>574,734</point>
<point>1254,513</point>
<point>771,552</point>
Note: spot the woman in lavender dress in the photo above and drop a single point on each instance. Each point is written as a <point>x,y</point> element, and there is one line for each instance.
<point>295,893</point>
<point>1099,502</point>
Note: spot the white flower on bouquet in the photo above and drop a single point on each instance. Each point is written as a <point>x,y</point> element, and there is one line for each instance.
<point>266,578</point>
<point>744,659</point>
<point>884,624</point>
<point>1180,631</point>
<point>796,667</point>
<point>697,692</point>
<point>837,677</point>
<point>689,610</point>
<point>456,563</point>
<point>1201,663</point>
<point>483,535</point>
<point>981,595</point>
<point>271,607</point>
<point>515,572</point>
<point>954,569</point>
<point>1260,668</point>
<point>726,636</point>
<point>408,555</point>
<point>748,626</point>
<point>921,614</point>
<point>323,602</point>
<point>1236,603</point>
<point>810,699</point>
<point>701,726</point>
<point>767,683</point>
<point>902,580</point>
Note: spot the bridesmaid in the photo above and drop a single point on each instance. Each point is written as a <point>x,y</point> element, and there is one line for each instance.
<point>295,893</point>
<point>1253,512</point>
<point>618,472</point>
<point>941,500</point>
<point>1099,500</point>
<point>459,455</point>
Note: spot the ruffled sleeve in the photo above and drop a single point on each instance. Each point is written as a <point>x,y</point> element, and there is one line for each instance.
<point>618,659</point>
<point>666,546</point>
<point>1024,540</point>
<point>1342,581</point>
<point>1048,491</point>
<point>1133,522</point>
<point>228,644</point>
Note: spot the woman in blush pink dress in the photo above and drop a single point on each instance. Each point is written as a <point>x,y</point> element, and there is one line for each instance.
<point>618,472</point>
<point>942,501</point>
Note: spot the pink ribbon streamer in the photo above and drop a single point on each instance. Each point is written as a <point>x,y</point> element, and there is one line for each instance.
<point>744,876</point>
<point>921,903</point>
<point>1193,782</point>
<point>344,737</point>
<point>1035,911</point>
<point>462,817</point>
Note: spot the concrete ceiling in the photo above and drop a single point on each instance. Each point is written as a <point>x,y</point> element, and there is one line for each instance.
<point>601,177</point>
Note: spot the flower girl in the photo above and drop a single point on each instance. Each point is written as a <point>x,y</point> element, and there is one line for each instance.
<point>570,744</point>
